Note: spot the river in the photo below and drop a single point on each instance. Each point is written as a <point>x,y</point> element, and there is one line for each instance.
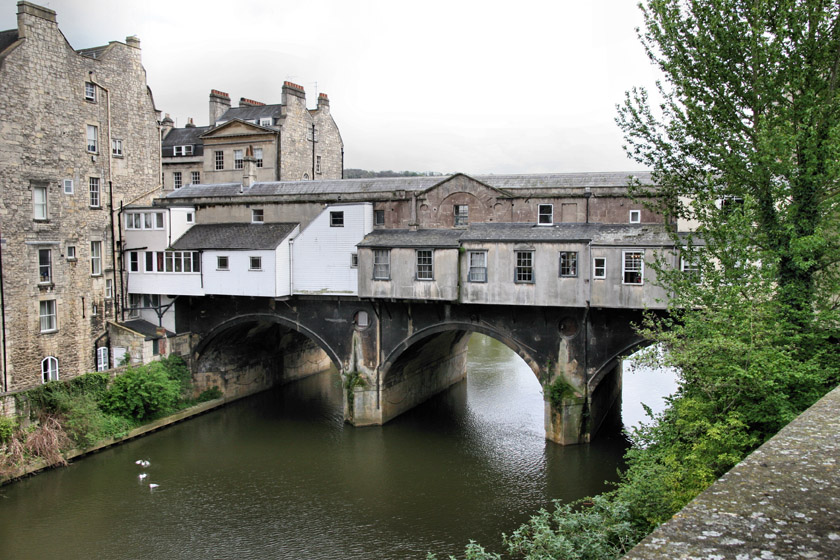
<point>279,475</point>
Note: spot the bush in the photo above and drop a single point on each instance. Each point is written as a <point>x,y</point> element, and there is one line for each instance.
<point>142,393</point>
<point>210,394</point>
<point>7,428</point>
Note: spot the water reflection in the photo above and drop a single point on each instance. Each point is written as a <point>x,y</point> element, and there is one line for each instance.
<point>280,475</point>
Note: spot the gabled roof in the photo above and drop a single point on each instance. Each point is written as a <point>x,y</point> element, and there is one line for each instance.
<point>262,237</point>
<point>7,38</point>
<point>256,129</point>
<point>145,329</point>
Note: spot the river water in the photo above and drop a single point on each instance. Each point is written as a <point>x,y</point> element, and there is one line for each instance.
<point>279,475</point>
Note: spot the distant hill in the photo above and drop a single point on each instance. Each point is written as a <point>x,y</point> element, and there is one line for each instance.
<point>365,174</point>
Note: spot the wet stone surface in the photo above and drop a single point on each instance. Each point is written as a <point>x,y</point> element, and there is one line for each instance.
<point>783,501</point>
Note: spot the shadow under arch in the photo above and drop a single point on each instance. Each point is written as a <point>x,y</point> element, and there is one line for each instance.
<point>523,351</point>
<point>600,370</point>
<point>239,321</point>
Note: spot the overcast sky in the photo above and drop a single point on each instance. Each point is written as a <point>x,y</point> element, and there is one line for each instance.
<point>471,86</point>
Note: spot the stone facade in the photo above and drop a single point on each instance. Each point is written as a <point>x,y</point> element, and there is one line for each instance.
<point>281,134</point>
<point>78,139</point>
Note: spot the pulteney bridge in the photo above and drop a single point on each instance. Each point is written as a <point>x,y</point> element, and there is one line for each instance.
<point>393,355</point>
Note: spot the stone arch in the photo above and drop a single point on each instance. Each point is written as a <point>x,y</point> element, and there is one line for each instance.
<point>242,320</point>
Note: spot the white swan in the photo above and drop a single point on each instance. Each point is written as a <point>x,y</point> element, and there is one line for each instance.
<point>141,476</point>
<point>152,485</point>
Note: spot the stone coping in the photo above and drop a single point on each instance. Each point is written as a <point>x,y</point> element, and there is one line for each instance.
<point>782,501</point>
<point>145,429</point>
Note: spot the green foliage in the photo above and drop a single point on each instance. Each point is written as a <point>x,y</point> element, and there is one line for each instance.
<point>210,394</point>
<point>86,423</point>
<point>7,428</point>
<point>142,393</point>
<point>176,369</point>
<point>559,390</point>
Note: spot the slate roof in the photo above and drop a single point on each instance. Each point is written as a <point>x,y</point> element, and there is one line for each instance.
<point>250,113</point>
<point>145,328</point>
<point>509,183</point>
<point>408,238</point>
<point>262,237</point>
<point>184,136</point>
<point>7,38</point>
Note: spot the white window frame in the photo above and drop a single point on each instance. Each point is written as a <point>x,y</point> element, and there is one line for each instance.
<point>238,159</point>
<point>102,358</point>
<point>195,177</point>
<point>40,203</point>
<point>134,261</point>
<point>381,264</point>
<point>635,216</point>
<point>95,191</point>
<point>257,216</point>
<point>625,270</point>
<point>90,91</point>
<point>71,252</point>
<point>424,264</point>
<point>602,267</point>
<point>47,316</point>
<point>523,270</point>
<point>222,262</point>
<point>181,262</point>
<point>545,214</point>
<point>68,186</point>
<point>49,369</point>
<point>570,264</point>
<point>177,179</point>
<point>96,258</point>
<point>266,121</point>
<point>477,266</point>
<point>116,147</point>
<point>45,275</point>
<point>109,288</point>
<point>255,263</point>
<point>186,150</point>
<point>691,266</point>
<point>92,138</point>
<point>258,157</point>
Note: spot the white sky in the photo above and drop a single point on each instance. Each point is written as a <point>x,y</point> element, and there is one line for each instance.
<point>472,86</point>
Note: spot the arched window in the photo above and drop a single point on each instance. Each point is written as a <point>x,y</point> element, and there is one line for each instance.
<point>362,321</point>
<point>49,369</point>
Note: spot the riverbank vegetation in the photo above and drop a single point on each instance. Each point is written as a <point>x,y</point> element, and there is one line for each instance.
<point>744,143</point>
<point>91,408</point>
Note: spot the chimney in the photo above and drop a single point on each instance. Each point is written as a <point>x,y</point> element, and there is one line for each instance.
<point>245,102</point>
<point>133,41</point>
<point>219,104</point>
<point>190,123</point>
<point>323,102</point>
<point>27,10</point>
<point>293,94</point>
<point>166,125</point>
<point>250,166</point>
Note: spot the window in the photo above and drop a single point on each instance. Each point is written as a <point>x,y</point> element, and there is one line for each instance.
<point>181,261</point>
<point>92,138</point>
<point>116,147</point>
<point>462,214</point>
<point>381,264</point>
<point>94,192</point>
<point>545,215</point>
<point>102,358</point>
<point>222,263</point>
<point>258,156</point>
<point>47,313</point>
<point>354,260</point>
<point>155,347</point>
<point>524,271</point>
<point>220,160</point>
<point>94,310</point>
<point>336,219</point>
<point>568,263</point>
<point>425,264</point>
<point>135,302</point>
<point>237,159</point>
<point>256,263</point>
<point>44,266</point>
<point>182,150</point>
<point>690,266</point>
<point>150,261</point>
<point>71,252</point>
<point>317,164</point>
<point>144,220</point>
<point>190,217</point>
<point>109,288</point>
<point>68,186</point>
<point>158,220</point>
<point>362,320</point>
<point>635,216</point>
<point>599,266</point>
<point>379,217</point>
<point>176,179</point>
<point>265,121</point>
<point>633,268</point>
<point>90,91</point>
<point>95,258</point>
<point>730,203</point>
<point>49,369</point>
<point>39,203</point>
<point>477,261</point>
<point>195,177</point>
<point>257,216</point>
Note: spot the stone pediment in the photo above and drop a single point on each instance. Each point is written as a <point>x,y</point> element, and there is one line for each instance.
<point>464,183</point>
<point>237,127</point>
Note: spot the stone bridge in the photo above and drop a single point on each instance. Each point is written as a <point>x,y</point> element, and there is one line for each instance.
<point>393,355</point>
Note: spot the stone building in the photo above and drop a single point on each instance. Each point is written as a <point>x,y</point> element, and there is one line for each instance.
<point>79,139</point>
<point>287,142</point>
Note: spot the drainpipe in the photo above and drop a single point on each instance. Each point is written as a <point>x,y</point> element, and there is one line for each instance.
<point>587,195</point>
<point>122,285</point>
<point>110,172</point>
